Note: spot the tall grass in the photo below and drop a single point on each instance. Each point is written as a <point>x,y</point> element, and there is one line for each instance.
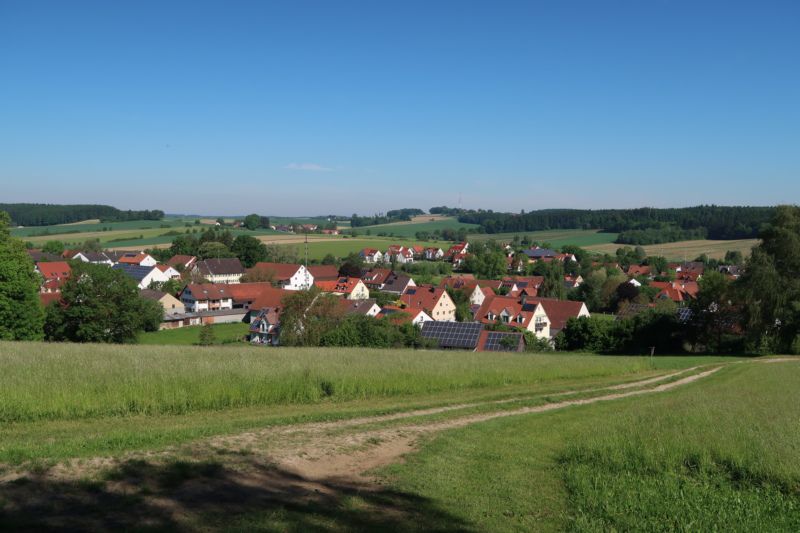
<point>68,381</point>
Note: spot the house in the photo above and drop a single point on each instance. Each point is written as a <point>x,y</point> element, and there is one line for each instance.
<point>375,278</point>
<point>500,341</point>
<point>398,315</point>
<point>529,285</point>
<point>206,297</point>
<point>225,270</point>
<point>324,272</point>
<point>433,300</point>
<point>54,274</point>
<point>399,254</point>
<point>168,271</point>
<point>398,283</point>
<point>456,250</point>
<point>350,288</point>
<point>368,307</point>
<point>371,255</point>
<point>182,262</point>
<point>678,291</point>
<point>560,311</point>
<point>265,327</point>
<point>97,258</point>
<point>139,259</point>
<point>289,276</point>
<point>518,312</point>
<point>635,271</point>
<point>171,305</point>
<point>572,282</point>
<point>143,275</point>
<point>418,251</point>
<point>433,254</point>
<point>40,256</point>
<point>537,254</point>
<point>479,295</point>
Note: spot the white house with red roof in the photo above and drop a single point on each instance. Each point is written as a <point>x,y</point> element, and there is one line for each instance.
<point>371,255</point>
<point>350,288</point>
<point>289,276</point>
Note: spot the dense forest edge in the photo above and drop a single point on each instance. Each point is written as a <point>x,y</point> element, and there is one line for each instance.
<point>50,214</point>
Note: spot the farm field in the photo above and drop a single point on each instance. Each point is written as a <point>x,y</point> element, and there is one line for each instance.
<point>242,438</point>
<point>223,334</point>
<point>687,250</point>
<point>556,238</point>
<point>428,223</point>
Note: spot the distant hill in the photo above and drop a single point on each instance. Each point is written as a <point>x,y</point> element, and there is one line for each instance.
<point>49,214</point>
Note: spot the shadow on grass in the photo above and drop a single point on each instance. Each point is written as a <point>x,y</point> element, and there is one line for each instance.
<point>188,496</point>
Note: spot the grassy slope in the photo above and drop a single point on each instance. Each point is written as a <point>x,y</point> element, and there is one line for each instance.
<point>83,400</point>
<point>716,455</point>
<point>556,238</point>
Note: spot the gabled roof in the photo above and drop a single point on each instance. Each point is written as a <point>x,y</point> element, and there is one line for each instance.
<point>540,253</point>
<point>54,269</point>
<point>343,285</point>
<point>639,270</point>
<point>357,307</point>
<point>150,294</point>
<point>282,271</point>
<point>38,255</point>
<point>559,311</point>
<point>397,283</point>
<point>376,276</point>
<point>519,314</point>
<point>423,297</point>
<point>369,251</point>
<point>181,260</point>
<point>135,271</point>
<point>220,267</point>
<point>324,272</point>
<point>500,341</point>
<point>132,259</point>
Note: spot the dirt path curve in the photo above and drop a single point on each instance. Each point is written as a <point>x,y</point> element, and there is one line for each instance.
<point>348,458</point>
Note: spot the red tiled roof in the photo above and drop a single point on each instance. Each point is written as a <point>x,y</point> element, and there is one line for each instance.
<point>282,271</point>
<point>341,285</point>
<point>54,270</point>
<point>376,276</point>
<point>181,260</point>
<point>132,259</point>
<point>423,297</point>
<point>559,311</point>
<point>324,272</point>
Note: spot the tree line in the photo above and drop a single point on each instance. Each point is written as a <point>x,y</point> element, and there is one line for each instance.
<point>718,222</point>
<point>49,214</point>
<point>395,215</point>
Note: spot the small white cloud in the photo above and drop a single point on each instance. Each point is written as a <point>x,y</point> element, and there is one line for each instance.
<point>313,167</point>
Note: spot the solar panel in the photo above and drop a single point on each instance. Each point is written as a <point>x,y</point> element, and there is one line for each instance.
<point>684,314</point>
<point>494,342</point>
<point>453,334</point>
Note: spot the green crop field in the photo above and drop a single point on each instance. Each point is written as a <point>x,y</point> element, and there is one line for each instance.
<point>410,229</point>
<point>556,238</point>
<point>688,250</point>
<point>241,438</point>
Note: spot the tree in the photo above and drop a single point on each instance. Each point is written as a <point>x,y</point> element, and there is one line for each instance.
<point>184,245</point>
<point>769,289</point>
<point>100,304</point>
<point>249,250</point>
<point>252,222</point>
<point>207,336</point>
<point>712,314</point>
<point>733,257</point>
<point>213,250</point>
<point>53,247</point>
<point>553,284</point>
<point>352,266</point>
<point>329,259</point>
<point>91,245</point>
<point>21,316</point>
<point>307,316</point>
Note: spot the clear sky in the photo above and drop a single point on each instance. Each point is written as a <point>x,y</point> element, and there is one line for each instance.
<point>296,107</point>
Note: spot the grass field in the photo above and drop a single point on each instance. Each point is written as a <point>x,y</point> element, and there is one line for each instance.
<point>687,250</point>
<point>238,438</point>
<point>429,223</point>
<point>556,238</point>
<point>187,336</point>
<point>716,456</point>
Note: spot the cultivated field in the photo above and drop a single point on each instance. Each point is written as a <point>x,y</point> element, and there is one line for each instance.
<point>248,439</point>
<point>687,250</point>
<point>556,238</point>
<point>406,228</point>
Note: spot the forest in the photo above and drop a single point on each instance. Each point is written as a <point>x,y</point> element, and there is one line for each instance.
<point>49,214</point>
<point>653,225</point>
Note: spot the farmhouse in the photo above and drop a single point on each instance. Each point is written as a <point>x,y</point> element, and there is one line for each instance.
<point>371,255</point>
<point>350,288</point>
<point>433,300</point>
<point>143,275</point>
<point>515,312</point>
<point>227,270</point>
<point>292,277</point>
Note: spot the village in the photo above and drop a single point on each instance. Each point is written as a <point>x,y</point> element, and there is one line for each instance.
<point>498,314</point>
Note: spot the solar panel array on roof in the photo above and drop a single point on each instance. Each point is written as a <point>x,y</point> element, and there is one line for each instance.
<point>453,334</point>
<point>684,314</point>
<point>495,343</point>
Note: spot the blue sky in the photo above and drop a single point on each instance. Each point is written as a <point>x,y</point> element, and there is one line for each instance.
<point>292,108</point>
